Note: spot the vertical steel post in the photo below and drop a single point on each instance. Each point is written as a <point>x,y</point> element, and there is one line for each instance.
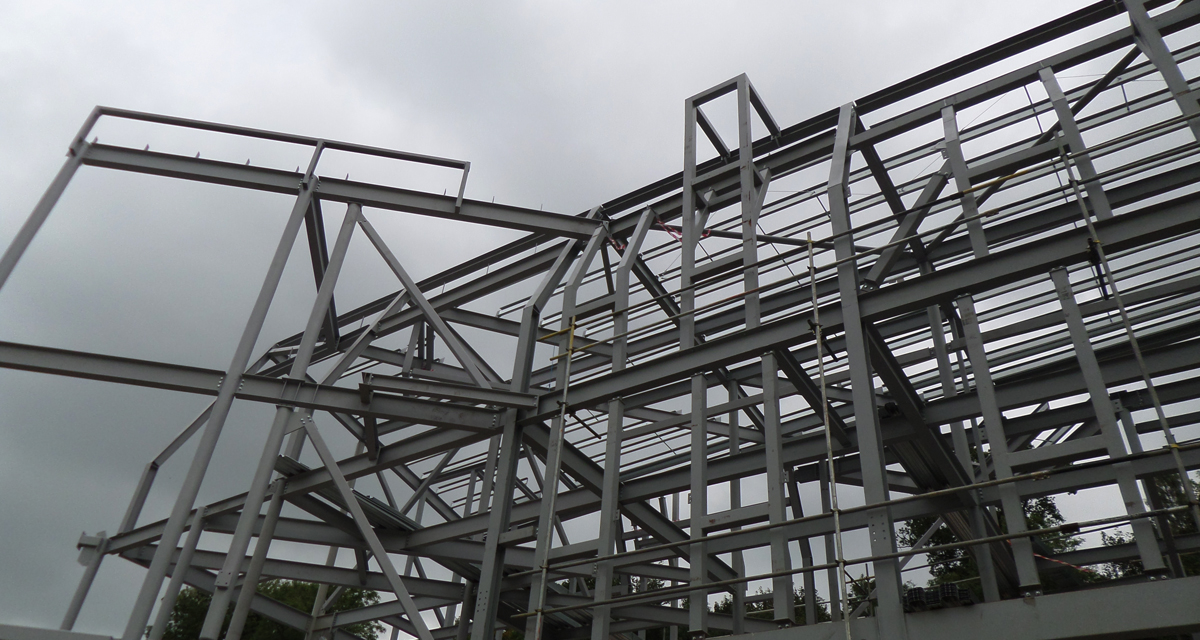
<point>1143,532</point>
<point>962,451</point>
<point>1010,500</point>
<point>783,597</point>
<point>545,532</point>
<point>698,553</point>
<point>698,574</point>
<point>962,181</point>
<point>806,556</point>
<point>738,604</point>
<point>1070,131</point>
<point>749,202</point>
<point>866,416</point>
<point>487,591</point>
<point>1150,41</point>
<point>833,578</point>
<point>610,513</point>
<point>1151,489</point>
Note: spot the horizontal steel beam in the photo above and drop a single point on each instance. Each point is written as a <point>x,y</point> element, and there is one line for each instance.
<point>336,190</point>
<point>1068,247</point>
<point>157,375</point>
<point>457,392</point>
<point>1159,608</point>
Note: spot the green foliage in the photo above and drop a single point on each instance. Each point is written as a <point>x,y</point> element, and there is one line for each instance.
<point>763,608</point>
<point>187,617</point>
<point>1170,494</point>
<point>958,566</point>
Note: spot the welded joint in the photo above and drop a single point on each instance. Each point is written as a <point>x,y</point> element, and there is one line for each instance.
<point>91,546</point>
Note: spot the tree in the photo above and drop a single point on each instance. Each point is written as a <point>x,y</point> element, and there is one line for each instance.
<point>958,565</point>
<point>1170,494</point>
<point>762,607</point>
<point>187,617</point>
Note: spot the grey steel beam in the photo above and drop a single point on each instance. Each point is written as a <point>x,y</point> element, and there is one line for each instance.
<point>962,181</point>
<point>262,605</point>
<point>1152,561</point>
<point>1034,389</point>
<point>893,329</point>
<point>1155,222</point>
<point>336,190</point>
<point>461,393</point>
<point>1112,612</point>
<point>866,417</point>
<point>283,415</point>
<point>225,390</point>
<point>41,211</point>
<point>1148,33</point>
<point>255,388</point>
<point>1014,515</point>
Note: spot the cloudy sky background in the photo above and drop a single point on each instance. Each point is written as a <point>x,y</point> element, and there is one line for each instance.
<point>556,105</point>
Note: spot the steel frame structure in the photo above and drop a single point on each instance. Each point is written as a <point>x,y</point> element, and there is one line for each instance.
<point>834,304</point>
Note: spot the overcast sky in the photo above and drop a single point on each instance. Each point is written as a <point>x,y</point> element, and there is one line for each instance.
<point>556,105</point>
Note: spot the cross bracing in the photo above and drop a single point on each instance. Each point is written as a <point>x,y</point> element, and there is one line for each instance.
<point>970,289</point>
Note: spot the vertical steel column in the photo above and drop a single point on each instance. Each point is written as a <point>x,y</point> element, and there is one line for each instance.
<point>1010,500</point>
<point>610,513</point>
<point>698,553</point>
<point>698,574</point>
<point>457,578</point>
<point>1150,41</point>
<point>749,201</point>
<point>547,512</point>
<point>832,575</point>
<point>1143,532</point>
<point>227,577</point>
<point>962,451</point>
<point>487,592</point>
<point>1150,487</point>
<point>783,598</point>
<point>212,431</point>
<point>1070,131</point>
<point>866,416</point>
<point>962,182</point>
<point>806,556</point>
<point>738,604</point>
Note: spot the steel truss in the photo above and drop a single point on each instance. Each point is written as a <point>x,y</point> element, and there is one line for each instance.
<point>861,301</point>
